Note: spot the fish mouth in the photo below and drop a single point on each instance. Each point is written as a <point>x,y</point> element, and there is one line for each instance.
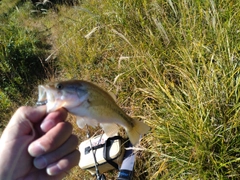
<point>48,96</point>
<point>54,99</point>
<point>42,96</point>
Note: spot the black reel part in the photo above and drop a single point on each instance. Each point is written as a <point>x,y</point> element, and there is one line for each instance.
<point>101,177</point>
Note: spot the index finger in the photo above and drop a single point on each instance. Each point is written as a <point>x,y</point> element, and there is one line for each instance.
<point>53,118</point>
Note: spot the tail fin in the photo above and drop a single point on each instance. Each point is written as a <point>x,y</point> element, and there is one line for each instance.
<point>138,129</point>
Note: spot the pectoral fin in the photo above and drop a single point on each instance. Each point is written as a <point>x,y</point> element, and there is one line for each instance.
<point>110,129</point>
<point>82,121</point>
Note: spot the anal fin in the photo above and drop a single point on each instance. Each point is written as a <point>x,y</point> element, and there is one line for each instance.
<point>110,129</point>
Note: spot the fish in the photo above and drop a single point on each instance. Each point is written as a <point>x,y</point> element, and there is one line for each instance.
<point>92,106</point>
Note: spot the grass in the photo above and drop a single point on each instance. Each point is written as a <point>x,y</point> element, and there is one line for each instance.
<point>174,65</point>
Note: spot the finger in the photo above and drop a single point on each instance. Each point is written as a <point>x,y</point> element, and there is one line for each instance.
<point>64,164</point>
<point>42,175</point>
<point>68,147</point>
<point>52,119</point>
<point>53,139</point>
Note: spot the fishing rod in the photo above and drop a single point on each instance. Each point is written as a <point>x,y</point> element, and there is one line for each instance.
<point>98,175</point>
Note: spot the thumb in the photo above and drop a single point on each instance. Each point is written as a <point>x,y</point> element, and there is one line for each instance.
<point>22,120</point>
<point>15,140</point>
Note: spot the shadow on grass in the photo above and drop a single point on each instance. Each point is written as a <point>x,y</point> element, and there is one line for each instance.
<point>21,54</point>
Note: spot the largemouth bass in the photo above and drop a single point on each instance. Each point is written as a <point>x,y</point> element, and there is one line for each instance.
<point>92,106</point>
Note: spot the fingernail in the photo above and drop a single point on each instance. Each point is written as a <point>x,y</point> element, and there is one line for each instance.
<point>40,162</point>
<point>36,149</point>
<point>53,169</point>
<point>46,125</point>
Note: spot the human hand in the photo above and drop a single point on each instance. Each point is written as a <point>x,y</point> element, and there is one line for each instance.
<point>36,145</point>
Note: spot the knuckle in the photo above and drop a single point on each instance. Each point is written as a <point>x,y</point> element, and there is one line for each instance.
<point>66,126</point>
<point>61,114</point>
<point>22,109</point>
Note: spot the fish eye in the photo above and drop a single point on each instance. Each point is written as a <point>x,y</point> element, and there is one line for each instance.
<point>59,86</point>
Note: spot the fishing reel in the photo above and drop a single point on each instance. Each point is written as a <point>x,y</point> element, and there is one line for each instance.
<point>101,177</point>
